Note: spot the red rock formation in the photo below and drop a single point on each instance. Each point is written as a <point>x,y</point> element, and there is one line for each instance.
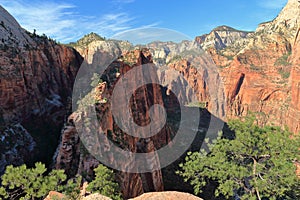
<point>36,78</point>
<point>253,83</point>
<point>256,78</point>
<point>72,155</point>
<point>293,117</point>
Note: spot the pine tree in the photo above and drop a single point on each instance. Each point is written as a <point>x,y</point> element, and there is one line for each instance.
<point>104,183</point>
<point>260,163</point>
<point>23,183</point>
<point>72,188</point>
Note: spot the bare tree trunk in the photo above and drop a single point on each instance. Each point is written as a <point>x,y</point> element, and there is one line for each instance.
<point>254,176</point>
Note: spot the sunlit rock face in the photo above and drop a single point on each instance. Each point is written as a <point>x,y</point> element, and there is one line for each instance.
<point>293,117</point>
<point>260,73</point>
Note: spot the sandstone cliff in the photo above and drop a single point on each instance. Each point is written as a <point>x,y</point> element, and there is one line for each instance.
<point>258,77</point>
<point>36,78</point>
<point>74,158</point>
<point>293,118</point>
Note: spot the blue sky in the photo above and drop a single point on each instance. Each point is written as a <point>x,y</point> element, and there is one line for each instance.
<point>68,20</point>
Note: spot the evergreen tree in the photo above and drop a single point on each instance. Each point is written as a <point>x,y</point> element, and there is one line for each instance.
<point>23,183</point>
<point>260,163</point>
<point>104,183</point>
<point>72,188</point>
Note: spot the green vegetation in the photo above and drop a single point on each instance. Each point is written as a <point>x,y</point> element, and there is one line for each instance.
<point>229,57</point>
<point>197,104</point>
<point>222,53</point>
<point>35,183</point>
<point>96,79</point>
<point>23,183</point>
<point>260,163</point>
<point>104,183</point>
<point>283,60</point>
<point>284,74</point>
<point>228,28</point>
<point>255,68</point>
<point>175,58</point>
<point>72,188</point>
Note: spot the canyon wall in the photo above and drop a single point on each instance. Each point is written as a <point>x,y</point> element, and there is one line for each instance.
<point>258,72</point>
<point>73,155</point>
<point>36,79</point>
<point>293,118</point>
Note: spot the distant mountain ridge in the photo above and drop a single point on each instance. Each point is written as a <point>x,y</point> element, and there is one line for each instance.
<point>259,70</point>
<point>262,55</point>
<point>222,37</point>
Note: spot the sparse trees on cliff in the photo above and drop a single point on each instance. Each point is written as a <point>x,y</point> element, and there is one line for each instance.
<point>260,163</point>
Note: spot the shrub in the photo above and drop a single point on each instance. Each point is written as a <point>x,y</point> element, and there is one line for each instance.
<point>283,60</point>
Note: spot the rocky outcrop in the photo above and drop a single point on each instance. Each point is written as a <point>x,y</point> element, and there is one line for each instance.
<point>92,43</point>
<point>166,196</point>
<point>74,158</point>
<point>165,52</point>
<point>55,195</point>
<point>16,145</point>
<point>222,37</point>
<point>96,197</point>
<point>258,77</point>
<point>36,78</point>
<point>286,23</point>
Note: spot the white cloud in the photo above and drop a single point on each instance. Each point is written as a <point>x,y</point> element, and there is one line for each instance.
<point>46,17</point>
<point>150,34</point>
<point>109,24</point>
<point>272,4</point>
<point>61,21</point>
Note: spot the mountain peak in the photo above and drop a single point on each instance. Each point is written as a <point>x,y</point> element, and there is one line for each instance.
<point>221,37</point>
<point>286,23</point>
<point>87,39</point>
<point>225,28</point>
<point>290,13</point>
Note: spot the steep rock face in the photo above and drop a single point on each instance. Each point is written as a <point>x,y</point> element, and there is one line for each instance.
<point>253,82</point>
<point>222,37</point>
<point>293,117</point>
<point>36,77</point>
<point>73,156</point>
<point>286,23</point>
<point>257,78</point>
<point>185,67</point>
<point>16,146</point>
